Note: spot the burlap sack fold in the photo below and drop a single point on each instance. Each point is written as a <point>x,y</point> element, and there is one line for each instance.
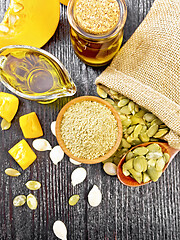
<point>147,68</point>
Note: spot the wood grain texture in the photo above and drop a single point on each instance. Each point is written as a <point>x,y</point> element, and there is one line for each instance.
<point>149,212</point>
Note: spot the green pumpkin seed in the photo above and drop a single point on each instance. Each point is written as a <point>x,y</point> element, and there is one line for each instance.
<point>109,101</point>
<point>160,163</point>
<point>12,172</point>
<point>126,122</point>
<point>140,151</point>
<point>136,120</point>
<point>129,155</point>
<point>136,108</point>
<point>140,164</point>
<point>149,117</point>
<point>166,157</point>
<point>151,162</point>
<point>153,173</point>
<point>131,106</point>
<point>162,126</point>
<point>140,113</point>
<point>129,164</point>
<point>161,133</point>
<point>123,117</point>
<point>146,178</point>
<point>152,130</point>
<point>19,200</point>
<point>125,110</point>
<point>136,175</point>
<point>116,160</point>
<point>112,92</point>
<point>125,171</point>
<point>101,92</point>
<point>73,200</point>
<point>123,102</point>
<point>144,129</point>
<point>32,202</point>
<point>137,130</point>
<point>130,129</point>
<point>33,185</point>
<point>154,147</point>
<point>144,137</point>
<point>136,142</point>
<point>154,155</point>
<point>156,121</point>
<point>125,144</point>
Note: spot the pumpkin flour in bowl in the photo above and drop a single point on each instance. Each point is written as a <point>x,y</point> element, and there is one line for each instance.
<point>88,129</point>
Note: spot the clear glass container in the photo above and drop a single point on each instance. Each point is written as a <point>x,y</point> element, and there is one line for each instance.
<point>34,74</point>
<point>96,49</point>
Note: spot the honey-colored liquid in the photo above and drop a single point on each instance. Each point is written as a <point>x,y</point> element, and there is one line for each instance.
<point>95,53</point>
<point>33,73</point>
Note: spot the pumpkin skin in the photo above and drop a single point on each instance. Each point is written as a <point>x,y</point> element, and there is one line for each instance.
<point>29,22</point>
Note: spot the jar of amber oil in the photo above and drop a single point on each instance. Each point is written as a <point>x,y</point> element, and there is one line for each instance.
<point>96,29</point>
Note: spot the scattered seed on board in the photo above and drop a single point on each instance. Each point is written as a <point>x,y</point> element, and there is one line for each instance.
<point>78,176</point>
<point>110,168</point>
<point>5,125</point>
<point>19,200</point>
<point>12,172</point>
<point>56,154</point>
<point>73,200</point>
<point>41,144</point>
<point>60,230</point>
<point>53,128</point>
<point>74,162</point>
<point>33,185</point>
<point>94,196</point>
<point>32,202</point>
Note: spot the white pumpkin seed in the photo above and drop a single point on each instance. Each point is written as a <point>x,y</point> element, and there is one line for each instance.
<point>60,230</point>
<point>12,172</point>
<point>32,202</point>
<point>110,168</point>
<point>101,92</point>
<point>78,176</point>
<point>56,154</point>
<point>19,200</point>
<point>53,128</point>
<point>74,162</point>
<point>5,125</point>
<point>33,185</point>
<point>94,196</point>
<point>41,144</point>
<point>73,200</point>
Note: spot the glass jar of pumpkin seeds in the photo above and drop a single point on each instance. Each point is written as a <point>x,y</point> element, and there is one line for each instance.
<point>96,29</point>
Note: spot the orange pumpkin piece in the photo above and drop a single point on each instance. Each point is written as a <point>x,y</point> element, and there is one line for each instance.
<point>29,22</point>
<point>30,125</point>
<point>8,106</point>
<point>23,154</point>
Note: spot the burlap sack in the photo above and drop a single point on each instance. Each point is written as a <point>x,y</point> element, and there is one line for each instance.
<point>146,69</point>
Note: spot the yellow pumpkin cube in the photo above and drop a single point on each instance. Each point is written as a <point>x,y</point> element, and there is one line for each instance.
<point>8,106</point>
<point>30,125</point>
<point>23,154</point>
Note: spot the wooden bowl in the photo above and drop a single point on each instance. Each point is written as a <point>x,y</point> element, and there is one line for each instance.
<point>61,142</point>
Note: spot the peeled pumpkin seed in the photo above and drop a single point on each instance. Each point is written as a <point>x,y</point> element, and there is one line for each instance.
<point>144,137</point>
<point>151,162</point>
<point>33,185</point>
<point>153,147</point>
<point>78,176</point>
<point>32,202</point>
<point>101,92</point>
<point>135,120</point>
<point>125,110</point>
<point>126,122</point>
<point>149,117</point>
<point>153,173</point>
<point>60,230</point>
<point>131,106</point>
<point>41,144</point>
<point>140,113</point>
<point>110,168</point>
<point>125,144</point>
<point>129,155</point>
<point>94,196</point>
<point>19,200</point>
<point>154,155</point>
<point>146,178</point>
<point>125,171</point>
<point>109,101</point>
<point>136,175</point>
<point>140,164</point>
<point>73,200</point>
<point>140,151</point>
<point>12,172</point>
<point>160,163</point>
<point>160,133</point>
<point>137,130</point>
<point>130,129</point>
<point>129,164</point>
<point>152,130</point>
<point>166,157</point>
<point>5,125</point>
<point>123,102</point>
<point>156,121</point>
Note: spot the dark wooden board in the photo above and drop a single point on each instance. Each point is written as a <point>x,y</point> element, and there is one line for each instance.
<point>148,212</point>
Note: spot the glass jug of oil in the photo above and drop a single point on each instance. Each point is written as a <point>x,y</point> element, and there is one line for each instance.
<point>34,74</point>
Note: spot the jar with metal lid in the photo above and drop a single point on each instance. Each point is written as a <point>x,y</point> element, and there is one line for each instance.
<point>96,29</point>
